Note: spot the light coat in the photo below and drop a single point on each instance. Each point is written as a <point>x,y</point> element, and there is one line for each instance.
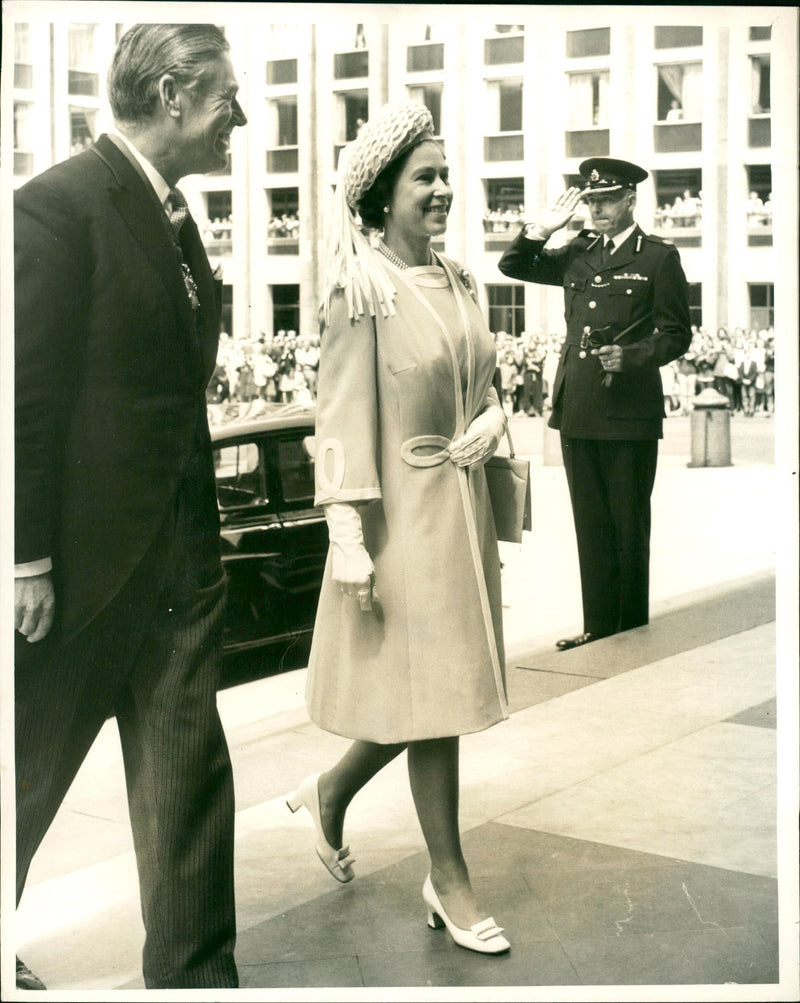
<point>428,660</point>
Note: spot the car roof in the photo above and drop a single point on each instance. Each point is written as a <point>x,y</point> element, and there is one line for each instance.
<point>227,421</point>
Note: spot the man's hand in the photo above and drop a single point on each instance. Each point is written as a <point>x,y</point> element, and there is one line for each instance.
<point>561,212</point>
<point>610,357</point>
<point>34,606</point>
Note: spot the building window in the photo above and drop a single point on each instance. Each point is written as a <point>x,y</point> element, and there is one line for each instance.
<point>82,129</point>
<point>282,129</point>
<point>588,99</point>
<point>505,114</point>
<point>506,308</point>
<point>284,222</point>
<point>218,229</point>
<point>282,71</point>
<point>758,205</point>
<point>510,107</point>
<point>762,305</point>
<point>695,303</point>
<point>351,111</point>
<point>350,65</point>
<point>504,213</point>
<point>23,66</point>
<point>761,34</point>
<point>285,308</point>
<point>673,36</point>
<point>82,67</point>
<point>506,47</point>
<point>679,201</point>
<point>680,92</point>
<point>24,130</point>
<point>424,58</point>
<point>431,96</point>
<point>759,92</point>
<point>589,42</point>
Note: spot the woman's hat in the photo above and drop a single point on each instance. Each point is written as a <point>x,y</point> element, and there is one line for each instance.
<point>391,131</point>
<point>352,267</point>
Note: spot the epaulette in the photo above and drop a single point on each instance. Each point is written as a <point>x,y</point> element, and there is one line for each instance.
<point>659,240</point>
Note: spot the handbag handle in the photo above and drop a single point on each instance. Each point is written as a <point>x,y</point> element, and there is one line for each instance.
<point>508,435</point>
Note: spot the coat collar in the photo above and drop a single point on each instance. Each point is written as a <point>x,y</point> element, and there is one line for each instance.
<point>621,257</point>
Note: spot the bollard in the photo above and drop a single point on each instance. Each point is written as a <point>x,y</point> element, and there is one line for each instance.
<point>711,430</point>
<point>551,446</point>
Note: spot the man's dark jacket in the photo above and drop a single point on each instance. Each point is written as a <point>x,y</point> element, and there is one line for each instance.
<point>111,371</point>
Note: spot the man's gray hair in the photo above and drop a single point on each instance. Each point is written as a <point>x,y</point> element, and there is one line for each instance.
<point>147,51</point>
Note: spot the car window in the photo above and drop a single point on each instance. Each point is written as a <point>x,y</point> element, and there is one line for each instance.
<point>296,469</point>
<point>239,475</point>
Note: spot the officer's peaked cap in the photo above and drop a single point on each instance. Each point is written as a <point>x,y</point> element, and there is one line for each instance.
<point>604,174</point>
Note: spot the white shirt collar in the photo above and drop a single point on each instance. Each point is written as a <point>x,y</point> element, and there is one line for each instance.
<point>620,238</point>
<point>161,187</point>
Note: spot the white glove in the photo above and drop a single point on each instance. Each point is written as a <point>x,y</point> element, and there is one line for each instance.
<point>353,570</point>
<point>481,439</point>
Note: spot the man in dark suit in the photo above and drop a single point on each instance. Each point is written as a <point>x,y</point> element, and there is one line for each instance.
<point>627,313</point>
<point>119,591</point>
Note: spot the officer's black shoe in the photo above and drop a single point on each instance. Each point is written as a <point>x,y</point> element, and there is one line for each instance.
<point>575,642</point>
<point>26,979</point>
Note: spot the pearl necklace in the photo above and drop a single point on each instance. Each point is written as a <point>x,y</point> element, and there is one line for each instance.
<point>394,258</point>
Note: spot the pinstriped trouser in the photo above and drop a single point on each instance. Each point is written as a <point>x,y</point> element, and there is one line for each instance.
<point>152,657</point>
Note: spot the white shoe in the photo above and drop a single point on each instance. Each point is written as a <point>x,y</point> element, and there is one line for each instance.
<point>484,937</point>
<point>338,862</point>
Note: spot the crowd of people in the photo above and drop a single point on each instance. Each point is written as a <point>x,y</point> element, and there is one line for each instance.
<point>285,225</point>
<point>738,364</point>
<point>759,211</point>
<point>282,368</point>
<point>685,210</point>
<point>503,218</point>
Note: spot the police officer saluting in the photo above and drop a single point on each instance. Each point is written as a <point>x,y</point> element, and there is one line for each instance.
<point>627,314</point>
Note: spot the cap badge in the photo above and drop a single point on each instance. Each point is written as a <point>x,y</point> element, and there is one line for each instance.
<point>595,175</point>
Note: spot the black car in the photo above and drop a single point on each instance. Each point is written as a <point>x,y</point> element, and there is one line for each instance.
<point>274,541</point>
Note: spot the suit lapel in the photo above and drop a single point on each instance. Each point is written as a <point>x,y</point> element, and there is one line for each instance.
<point>137,204</point>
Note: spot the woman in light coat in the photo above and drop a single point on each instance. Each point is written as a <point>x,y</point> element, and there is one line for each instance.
<point>407,650</point>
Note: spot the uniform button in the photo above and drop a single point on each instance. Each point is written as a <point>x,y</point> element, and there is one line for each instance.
<point>628,292</point>
<point>598,278</point>
<point>592,303</point>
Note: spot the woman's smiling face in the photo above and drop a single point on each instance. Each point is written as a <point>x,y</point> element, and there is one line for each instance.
<point>422,195</point>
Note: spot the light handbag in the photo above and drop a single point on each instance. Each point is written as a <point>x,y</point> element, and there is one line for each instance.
<point>509,482</point>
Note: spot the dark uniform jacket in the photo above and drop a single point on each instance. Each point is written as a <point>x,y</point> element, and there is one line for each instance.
<point>640,298</point>
<point>111,371</point>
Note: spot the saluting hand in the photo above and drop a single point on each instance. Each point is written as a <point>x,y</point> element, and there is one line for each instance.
<point>561,211</point>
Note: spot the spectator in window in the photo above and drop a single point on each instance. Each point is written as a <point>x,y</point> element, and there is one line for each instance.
<point>675,113</point>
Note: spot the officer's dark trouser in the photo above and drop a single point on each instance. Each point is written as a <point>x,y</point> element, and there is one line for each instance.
<point>610,484</point>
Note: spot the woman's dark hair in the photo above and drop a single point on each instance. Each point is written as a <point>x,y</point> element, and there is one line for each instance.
<point>370,208</point>
<point>147,51</point>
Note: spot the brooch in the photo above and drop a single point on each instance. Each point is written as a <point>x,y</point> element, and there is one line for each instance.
<point>463,274</point>
<point>191,286</point>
